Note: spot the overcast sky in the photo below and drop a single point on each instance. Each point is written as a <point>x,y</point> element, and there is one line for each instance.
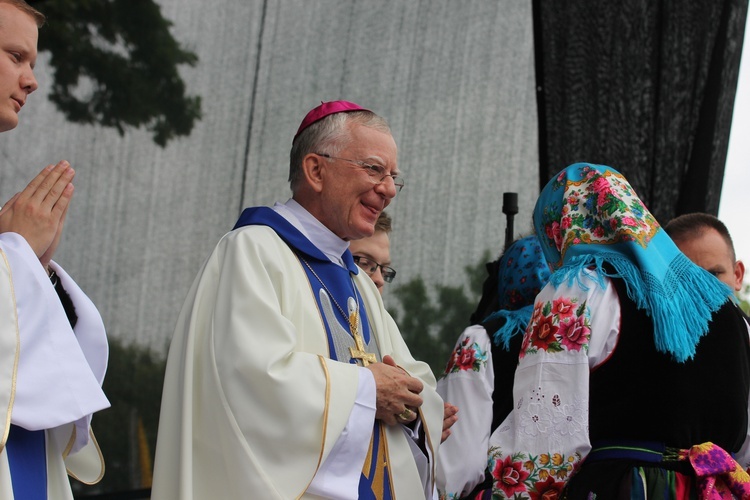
<point>734,208</point>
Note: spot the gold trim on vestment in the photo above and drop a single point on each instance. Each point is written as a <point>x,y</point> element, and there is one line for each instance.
<point>98,451</point>
<point>70,444</point>
<point>6,430</point>
<point>325,420</point>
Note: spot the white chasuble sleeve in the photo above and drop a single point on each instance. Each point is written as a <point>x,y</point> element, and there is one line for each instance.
<point>468,383</point>
<point>338,477</point>
<point>546,434</point>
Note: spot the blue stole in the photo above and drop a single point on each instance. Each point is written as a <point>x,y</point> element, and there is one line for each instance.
<point>28,463</point>
<point>339,286</point>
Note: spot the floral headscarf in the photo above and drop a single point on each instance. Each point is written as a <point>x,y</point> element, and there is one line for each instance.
<point>589,215</point>
<point>522,274</point>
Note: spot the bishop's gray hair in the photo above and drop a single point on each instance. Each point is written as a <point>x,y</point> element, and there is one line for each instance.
<point>329,135</point>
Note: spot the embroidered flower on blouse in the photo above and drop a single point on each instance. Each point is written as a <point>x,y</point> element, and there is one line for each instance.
<point>523,476</point>
<point>574,333</point>
<point>466,356</point>
<point>563,307</point>
<point>557,326</point>
<point>534,419</point>
<point>509,476</point>
<point>570,418</point>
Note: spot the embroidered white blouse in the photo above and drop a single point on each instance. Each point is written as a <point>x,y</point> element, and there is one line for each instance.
<point>573,329</point>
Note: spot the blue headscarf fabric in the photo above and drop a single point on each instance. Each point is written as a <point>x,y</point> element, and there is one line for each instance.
<point>522,274</point>
<point>589,215</point>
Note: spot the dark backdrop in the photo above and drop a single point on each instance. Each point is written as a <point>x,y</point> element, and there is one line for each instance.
<point>645,86</point>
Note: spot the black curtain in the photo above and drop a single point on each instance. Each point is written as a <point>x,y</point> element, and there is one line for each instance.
<point>644,86</point>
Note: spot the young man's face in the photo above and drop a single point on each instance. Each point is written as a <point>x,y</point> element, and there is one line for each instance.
<point>375,248</point>
<point>18,41</point>
<point>711,252</point>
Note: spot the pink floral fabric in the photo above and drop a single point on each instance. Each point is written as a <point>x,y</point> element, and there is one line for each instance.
<point>600,208</point>
<point>557,325</point>
<point>718,475</point>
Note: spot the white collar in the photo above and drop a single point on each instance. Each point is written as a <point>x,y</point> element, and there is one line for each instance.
<point>323,238</point>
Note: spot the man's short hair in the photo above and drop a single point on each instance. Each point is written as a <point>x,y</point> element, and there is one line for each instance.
<point>384,223</point>
<point>28,9</point>
<point>329,135</point>
<point>689,226</point>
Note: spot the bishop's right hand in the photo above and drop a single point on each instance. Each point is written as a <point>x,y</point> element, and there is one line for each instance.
<point>396,392</point>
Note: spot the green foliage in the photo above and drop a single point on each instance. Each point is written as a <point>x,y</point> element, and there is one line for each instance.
<point>133,385</point>
<point>120,55</point>
<point>744,297</point>
<point>431,322</point>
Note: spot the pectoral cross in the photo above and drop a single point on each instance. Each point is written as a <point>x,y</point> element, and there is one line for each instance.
<point>359,353</point>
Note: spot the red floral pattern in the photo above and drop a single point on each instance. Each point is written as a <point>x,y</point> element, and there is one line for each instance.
<point>521,476</point>
<point>557,326</point>
<point>509,476</point>
<point>601,208</point>
<point>466,356</point>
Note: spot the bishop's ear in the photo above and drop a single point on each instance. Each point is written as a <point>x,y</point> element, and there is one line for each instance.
<point>312,170</point>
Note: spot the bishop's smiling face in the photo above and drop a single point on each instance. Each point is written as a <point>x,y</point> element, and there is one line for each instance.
<point>351,200</point>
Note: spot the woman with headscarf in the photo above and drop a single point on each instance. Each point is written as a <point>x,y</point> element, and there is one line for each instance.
<point>634,373</point>
<point>479,374</point>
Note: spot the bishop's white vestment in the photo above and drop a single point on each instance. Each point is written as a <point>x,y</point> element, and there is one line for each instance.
<point>255,402</point>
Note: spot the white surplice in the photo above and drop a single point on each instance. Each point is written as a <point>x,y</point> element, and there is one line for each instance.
<point>50,373</point>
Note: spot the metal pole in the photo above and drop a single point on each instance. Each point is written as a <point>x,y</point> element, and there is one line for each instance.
<point>510,208</point>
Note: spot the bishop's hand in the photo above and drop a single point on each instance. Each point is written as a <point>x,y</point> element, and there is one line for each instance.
<point>396,392</point>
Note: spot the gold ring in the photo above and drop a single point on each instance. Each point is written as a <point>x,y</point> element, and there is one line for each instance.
<point>404,415</point>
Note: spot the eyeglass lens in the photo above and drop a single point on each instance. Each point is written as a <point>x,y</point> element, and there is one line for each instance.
<point>370,267</point>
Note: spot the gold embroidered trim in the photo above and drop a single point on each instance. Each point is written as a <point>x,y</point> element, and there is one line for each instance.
<point>6,430</point>
<point>325,419</point>
<point>98,451</point>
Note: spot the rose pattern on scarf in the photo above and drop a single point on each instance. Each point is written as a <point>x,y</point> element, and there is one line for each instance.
<point>466,356</point>
<point>601,208</point>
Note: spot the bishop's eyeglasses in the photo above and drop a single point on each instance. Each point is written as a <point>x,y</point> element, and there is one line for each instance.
<point>376,172</point>
<point>369,266</point>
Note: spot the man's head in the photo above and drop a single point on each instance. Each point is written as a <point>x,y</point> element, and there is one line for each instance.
<point>373,253</point>
<point>706,241</point>
<point>19,31</point>
<point>343,167</point>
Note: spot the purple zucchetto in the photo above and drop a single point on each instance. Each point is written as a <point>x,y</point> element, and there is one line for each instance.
<point>325,109</point>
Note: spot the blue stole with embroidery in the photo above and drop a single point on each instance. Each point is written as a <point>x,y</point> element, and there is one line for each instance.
<point>332,287</point>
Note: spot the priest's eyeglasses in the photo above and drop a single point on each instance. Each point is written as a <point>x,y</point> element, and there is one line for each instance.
<point>370,266</point>
<point>376,172</point>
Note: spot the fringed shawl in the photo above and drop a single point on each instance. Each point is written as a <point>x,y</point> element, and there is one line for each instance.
<point>588,216</point>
